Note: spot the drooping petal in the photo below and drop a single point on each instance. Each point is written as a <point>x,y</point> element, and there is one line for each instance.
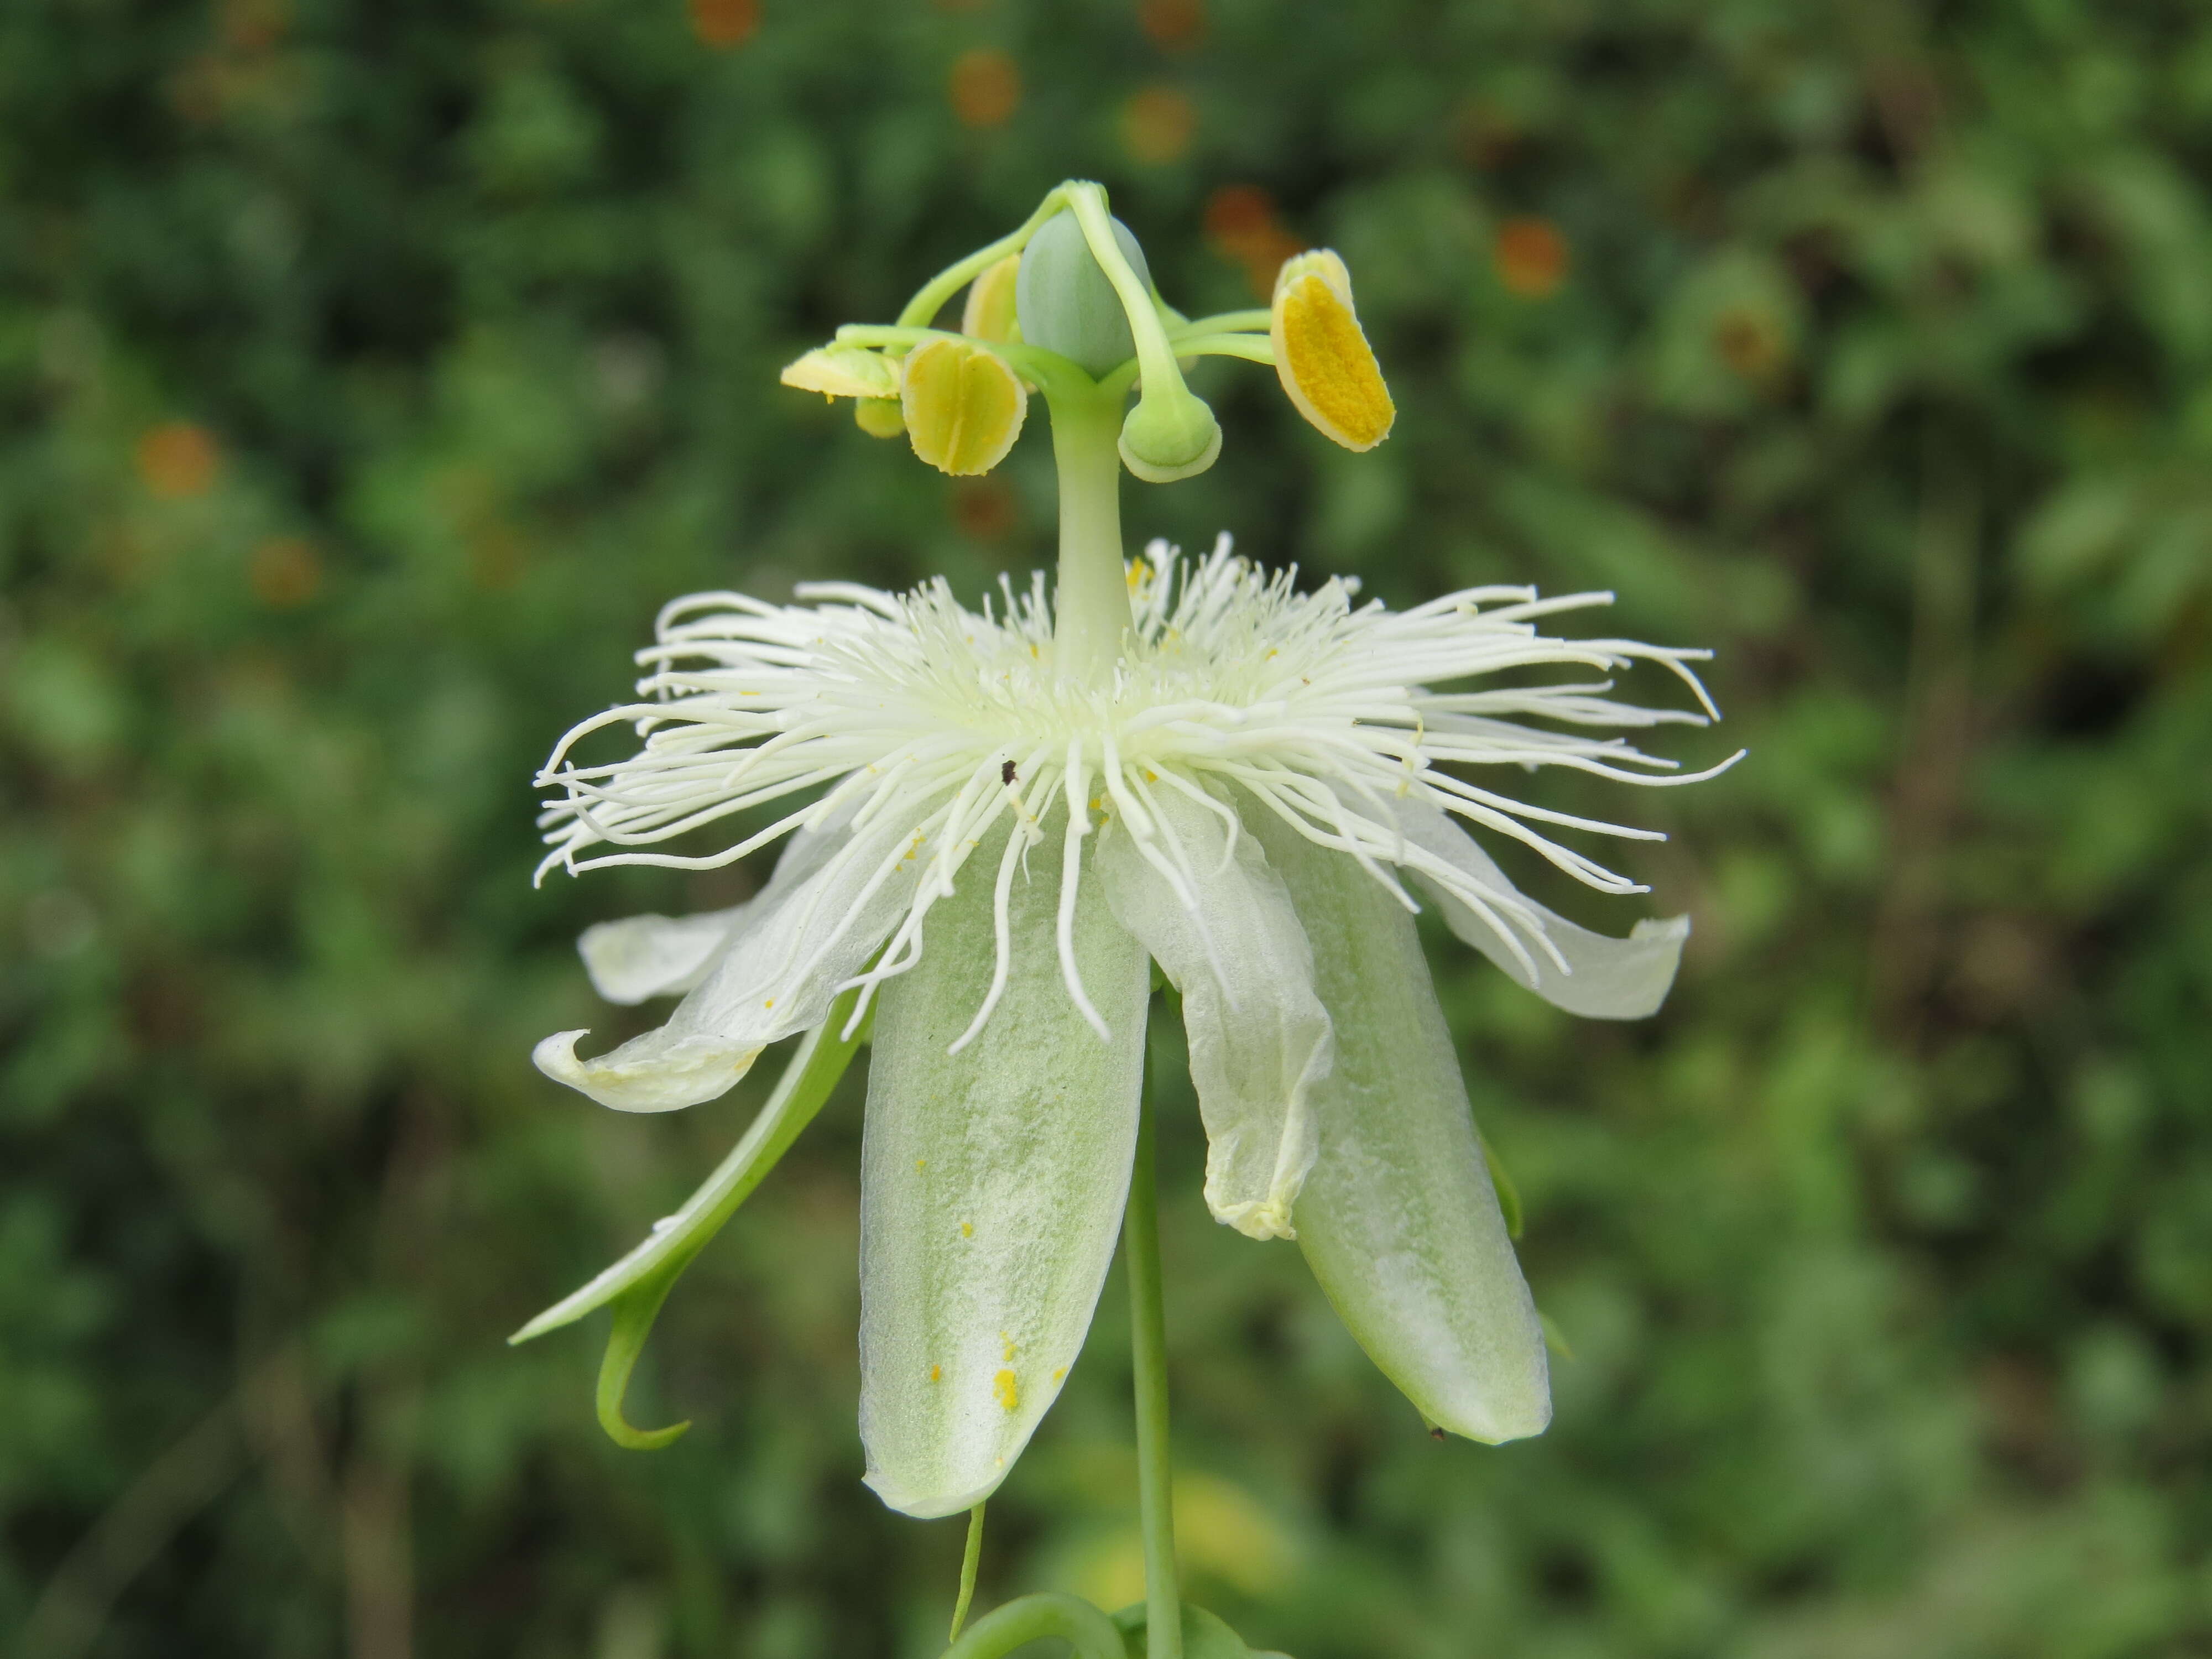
<point>1609,978</point>
<point>1229,942</point>
<point>991,1183</point>
<point>657,956</point>
<point>777,978</point>
<point>1399,1220</point>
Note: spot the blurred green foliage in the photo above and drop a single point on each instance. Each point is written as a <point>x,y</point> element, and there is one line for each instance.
<point>372,369</point>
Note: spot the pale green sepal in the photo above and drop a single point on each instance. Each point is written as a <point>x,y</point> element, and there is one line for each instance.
<point>1399,1219</point>
<point>992,1180</point>
<point>1231,946</point>
<point>1607,978</point>
<point>819,1060</point>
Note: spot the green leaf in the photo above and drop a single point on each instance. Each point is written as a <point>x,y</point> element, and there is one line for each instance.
<point>1205,1635</point>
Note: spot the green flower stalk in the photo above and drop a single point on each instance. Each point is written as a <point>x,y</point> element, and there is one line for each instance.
<point>996,821</point>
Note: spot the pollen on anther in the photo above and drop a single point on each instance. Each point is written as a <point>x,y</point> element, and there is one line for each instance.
<point>1009,1392</point>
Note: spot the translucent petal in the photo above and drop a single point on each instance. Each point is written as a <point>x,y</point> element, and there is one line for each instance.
<point>1610,978</point>
<point>991,1183</point>
<point>1258,1035</point>
<point>656,955</point>
<point>1398,1219</point>
<point>776,979</point>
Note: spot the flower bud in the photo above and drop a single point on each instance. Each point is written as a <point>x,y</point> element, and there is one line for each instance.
<point>964,406</point>
<point>844,371</point>
<point>879,417</point>
<point>1168,436</point>
<point>1322,356</point>
<point>989,312</point>
<point>1065,302</point>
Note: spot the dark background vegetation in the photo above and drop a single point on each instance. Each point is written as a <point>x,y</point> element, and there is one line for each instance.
<point>372,369</point>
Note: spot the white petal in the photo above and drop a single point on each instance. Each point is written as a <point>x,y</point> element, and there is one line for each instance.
<point>1398,1219</point>
<point>656,955</point>
<point>1258,1035</point>
<point>777,978</point>
<point>992,1184</point>
<point>1612,978</point>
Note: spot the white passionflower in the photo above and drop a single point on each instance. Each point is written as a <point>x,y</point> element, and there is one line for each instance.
<point>994,823</point>
<point>996,849</point>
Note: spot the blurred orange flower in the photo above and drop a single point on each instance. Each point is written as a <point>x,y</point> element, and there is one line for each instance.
<point>177,460</point>
<point>1157,124</point>
<point>1242,224</point>
<point>1172,23</point>
<point>1530,257</point>
<point>724,23</point>
<point>986,88</point>
<point>285,572</point>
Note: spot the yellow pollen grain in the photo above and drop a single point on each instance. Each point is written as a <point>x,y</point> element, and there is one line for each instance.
<point>1062,1372</point>
<point>937,1373</point>
<point>1335,366</point>
<point>1009,1392</point>
<point>1012,1348</point>
<point>967,1229</point>
<point>770,1003</point>
<point>921,1164</point>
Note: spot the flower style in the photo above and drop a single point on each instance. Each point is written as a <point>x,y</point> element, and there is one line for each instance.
<point>993,821</point>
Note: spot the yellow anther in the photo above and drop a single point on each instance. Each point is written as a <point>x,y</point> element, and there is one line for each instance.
<point>989,312</point>
<point>844,371</point>
<point>1322,356</point>
<point>964,406</point>
<point>1008,1391</point>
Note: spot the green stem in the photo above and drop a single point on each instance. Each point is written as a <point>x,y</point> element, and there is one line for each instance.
<point>1140,1244</point>
<point>1224,322</point>
<point>1090,607</point>
<point>970,1558</point>
<point>938,289</point>
<point>1253,348</point>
